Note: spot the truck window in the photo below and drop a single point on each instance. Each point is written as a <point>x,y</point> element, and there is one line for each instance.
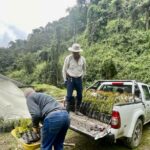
<point>146,92</point>
<point>94,86</point>
<point>116,88</point>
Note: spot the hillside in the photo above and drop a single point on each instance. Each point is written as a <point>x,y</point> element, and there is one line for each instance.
<point>115,36</point>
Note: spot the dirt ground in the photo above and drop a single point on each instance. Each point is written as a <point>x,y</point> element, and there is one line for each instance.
<point>7,142</point>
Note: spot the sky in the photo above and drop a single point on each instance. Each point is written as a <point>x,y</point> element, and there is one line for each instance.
<point>19,17</point>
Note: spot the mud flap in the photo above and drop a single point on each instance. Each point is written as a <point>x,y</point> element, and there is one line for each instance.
<point>88,126</point>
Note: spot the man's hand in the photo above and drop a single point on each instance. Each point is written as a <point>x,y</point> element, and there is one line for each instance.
<point>65,83</point>
<point>36,129</point>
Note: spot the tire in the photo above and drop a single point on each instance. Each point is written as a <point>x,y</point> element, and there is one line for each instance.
<point>135,140</point>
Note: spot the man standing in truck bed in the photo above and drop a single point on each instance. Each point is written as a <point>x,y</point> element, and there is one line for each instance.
<point>73,71</point>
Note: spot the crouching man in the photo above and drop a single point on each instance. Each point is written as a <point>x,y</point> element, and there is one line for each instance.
<point>54,118</point>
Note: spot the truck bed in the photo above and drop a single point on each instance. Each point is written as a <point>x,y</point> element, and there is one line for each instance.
<point>88,126</point>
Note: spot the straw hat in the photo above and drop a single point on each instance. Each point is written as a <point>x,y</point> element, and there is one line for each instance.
<point>75,48</point>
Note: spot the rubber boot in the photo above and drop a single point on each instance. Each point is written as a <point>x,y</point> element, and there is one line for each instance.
<point>68,106</point>
<point>77,111</point>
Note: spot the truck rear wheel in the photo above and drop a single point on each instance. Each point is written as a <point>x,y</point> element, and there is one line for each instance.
<point>134,141</point>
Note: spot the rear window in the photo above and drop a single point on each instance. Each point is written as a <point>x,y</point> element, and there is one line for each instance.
<point>116,88</point>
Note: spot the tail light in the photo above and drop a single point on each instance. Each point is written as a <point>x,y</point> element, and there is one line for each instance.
<point>115,120</point>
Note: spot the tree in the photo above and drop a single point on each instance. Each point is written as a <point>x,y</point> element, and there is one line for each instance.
<point>96,22</point>
<point>146,9</point>
<point>12,45</point>
<point>81,3</point>
<point>43,55</point>
<point>29,63</point>
<point>6,59</point>
<point>77,20</point>
<point>94,1</point>
<point>108,70</point>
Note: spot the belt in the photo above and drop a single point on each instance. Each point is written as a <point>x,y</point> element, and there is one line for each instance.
<point>57,109</point>
<point>73,77</point>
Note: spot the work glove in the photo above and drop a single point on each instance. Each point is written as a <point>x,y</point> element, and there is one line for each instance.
<point>36,129</point>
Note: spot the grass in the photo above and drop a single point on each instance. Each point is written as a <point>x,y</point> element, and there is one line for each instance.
<point>50,89</point>
<point>8,142</point>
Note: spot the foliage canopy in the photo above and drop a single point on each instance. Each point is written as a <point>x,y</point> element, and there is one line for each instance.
<point>115,36</point>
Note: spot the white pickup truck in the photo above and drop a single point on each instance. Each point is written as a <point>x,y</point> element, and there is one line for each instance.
<point>126,120</point>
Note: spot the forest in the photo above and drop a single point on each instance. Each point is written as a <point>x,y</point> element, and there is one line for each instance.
<point>114,34</point>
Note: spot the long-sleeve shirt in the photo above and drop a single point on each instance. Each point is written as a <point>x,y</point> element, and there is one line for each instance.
<point>73,68</point>
<point>40,104</point>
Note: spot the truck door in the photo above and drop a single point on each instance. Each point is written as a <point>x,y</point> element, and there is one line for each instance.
<point>147,101</point>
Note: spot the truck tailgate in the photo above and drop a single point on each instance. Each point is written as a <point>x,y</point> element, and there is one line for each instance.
<point>88,126</point>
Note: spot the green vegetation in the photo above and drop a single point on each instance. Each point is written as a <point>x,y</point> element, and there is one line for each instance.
<point>22,126</point>
<point>51,90</point>
<point>8,125</point>
<point>104,101</point>
<point>115,36</point>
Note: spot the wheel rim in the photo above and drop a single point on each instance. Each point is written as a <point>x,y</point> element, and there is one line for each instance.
<point>137,133</point>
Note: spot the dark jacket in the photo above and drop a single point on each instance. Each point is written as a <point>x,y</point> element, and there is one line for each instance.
<point>39,105</point>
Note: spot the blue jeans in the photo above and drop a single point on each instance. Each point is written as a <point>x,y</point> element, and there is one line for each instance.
<point>74,83</point>
<point>54,130</point>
